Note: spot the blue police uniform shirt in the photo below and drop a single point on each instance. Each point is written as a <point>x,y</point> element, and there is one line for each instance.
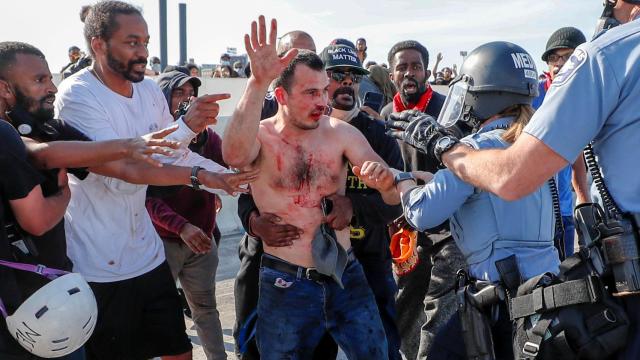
<point>485,227</point>
<point>596,97</point>
<point>564,175</point>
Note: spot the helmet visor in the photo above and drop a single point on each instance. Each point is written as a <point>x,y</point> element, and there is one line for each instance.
<point>454,104</point>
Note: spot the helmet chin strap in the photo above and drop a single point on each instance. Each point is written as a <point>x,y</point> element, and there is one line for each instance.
<point>471,120</point>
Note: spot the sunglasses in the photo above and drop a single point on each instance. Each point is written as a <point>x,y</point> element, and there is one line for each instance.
<point>339,76</point>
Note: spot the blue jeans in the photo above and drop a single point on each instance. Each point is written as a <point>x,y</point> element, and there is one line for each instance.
<point>294,313</point>
<point>569,234</point>
<point>380,278</point>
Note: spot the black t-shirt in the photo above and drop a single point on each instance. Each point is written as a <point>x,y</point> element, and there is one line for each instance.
<point>17,179</point>
<point>52,245</point>
<point>49,249</point>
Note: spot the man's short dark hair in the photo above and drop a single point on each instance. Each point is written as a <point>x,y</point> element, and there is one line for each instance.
<point>8,51</point>
<point>100,22</point>
<point>304,57</point>
<point>84,11</point>
<point>405,45</point>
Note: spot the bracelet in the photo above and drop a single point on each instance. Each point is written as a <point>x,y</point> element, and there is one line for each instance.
<point>194,177</point>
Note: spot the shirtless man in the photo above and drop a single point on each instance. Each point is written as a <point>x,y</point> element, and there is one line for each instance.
<point>302,156</point>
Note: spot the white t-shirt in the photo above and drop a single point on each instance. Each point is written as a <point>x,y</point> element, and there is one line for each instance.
<point>110,236</point>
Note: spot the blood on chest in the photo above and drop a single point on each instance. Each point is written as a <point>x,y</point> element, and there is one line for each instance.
<point>303,175</point>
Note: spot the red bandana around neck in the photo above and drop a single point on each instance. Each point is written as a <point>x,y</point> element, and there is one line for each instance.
<point>422,104</point>
<point>547,83</point>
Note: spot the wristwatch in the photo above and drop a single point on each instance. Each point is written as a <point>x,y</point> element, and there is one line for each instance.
<point>194,177</point>
<point>443,145</point>
<point>402,177</point>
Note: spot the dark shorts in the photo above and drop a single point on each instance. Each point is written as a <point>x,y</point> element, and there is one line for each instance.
<point>138,318</point>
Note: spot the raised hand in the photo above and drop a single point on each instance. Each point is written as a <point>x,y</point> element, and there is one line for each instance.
<point>203,111</point>
<point>153,143</point>
<point>265,63</point>
<point>231,183</point>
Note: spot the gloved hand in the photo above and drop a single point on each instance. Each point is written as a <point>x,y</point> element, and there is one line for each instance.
<point>418,130</point>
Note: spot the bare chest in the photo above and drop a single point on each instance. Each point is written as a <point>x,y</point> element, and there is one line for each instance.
<point>303,171</point>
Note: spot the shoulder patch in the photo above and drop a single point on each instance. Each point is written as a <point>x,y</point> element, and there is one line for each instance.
<point>576,60</point>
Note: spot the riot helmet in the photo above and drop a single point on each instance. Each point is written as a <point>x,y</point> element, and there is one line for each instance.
<point>494,77</point>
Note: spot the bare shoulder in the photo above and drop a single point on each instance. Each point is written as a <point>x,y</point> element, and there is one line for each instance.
<point>341,128</point>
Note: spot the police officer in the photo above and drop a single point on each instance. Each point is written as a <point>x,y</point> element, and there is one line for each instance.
<point>491,99</point>
<point>594,98</point>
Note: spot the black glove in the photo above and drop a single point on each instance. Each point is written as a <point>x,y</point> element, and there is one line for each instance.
<point>418,130</point>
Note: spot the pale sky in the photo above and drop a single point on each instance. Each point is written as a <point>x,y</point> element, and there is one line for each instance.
<point>446,26</point>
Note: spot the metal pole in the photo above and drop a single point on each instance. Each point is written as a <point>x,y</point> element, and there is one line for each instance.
<point>163,33</point>
<point>182,9</point>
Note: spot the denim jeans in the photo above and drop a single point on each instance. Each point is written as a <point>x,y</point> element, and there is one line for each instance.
<point>380,278</point>
<point>197,275</point>
<point>294,313</point>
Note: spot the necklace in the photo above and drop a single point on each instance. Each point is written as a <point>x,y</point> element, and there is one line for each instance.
<point>95,73</point>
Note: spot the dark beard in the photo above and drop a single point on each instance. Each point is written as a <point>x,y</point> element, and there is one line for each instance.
<point>126,70</point>
<point>343,90</point>
<point>421,87</point>
<point>35,107</point>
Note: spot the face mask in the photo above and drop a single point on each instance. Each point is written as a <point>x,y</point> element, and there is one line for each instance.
<point>156,68</point>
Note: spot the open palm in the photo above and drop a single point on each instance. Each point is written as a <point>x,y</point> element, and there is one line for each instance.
<point>266,65</point>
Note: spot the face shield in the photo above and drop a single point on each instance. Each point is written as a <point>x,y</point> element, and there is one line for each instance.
<point>454,104</point>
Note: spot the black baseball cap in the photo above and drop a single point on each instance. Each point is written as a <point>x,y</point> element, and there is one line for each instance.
<point>341,56</point>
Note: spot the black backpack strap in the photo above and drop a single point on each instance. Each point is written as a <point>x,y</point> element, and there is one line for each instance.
<point>544,299</point>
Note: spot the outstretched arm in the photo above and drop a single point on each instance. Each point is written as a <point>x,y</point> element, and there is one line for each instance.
<point>509,173</point>
<point>78,154</point>
<point>241,146</point>
<point>358,151</point>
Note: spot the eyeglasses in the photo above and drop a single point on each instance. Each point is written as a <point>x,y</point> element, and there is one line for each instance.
<point>339,76</point>
<point>554,58</point>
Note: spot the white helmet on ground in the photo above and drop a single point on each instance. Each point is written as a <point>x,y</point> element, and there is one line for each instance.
<point>57,319</point>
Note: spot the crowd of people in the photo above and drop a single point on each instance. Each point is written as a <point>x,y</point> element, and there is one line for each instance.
<point>382,217</point>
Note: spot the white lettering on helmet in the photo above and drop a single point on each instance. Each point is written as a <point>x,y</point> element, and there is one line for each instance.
<point>523,60</point>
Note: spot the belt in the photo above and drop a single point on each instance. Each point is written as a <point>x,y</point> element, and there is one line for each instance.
<point>299,271</point>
